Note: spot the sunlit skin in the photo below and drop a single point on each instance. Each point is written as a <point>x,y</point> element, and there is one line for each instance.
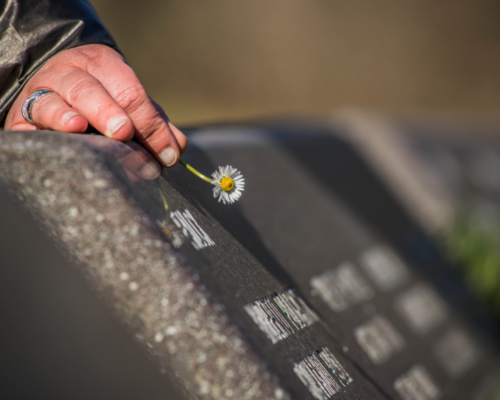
<point>227,184</point>
<point>94,85</point>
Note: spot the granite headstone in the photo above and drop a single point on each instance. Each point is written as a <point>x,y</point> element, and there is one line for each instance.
<point>316,285</point>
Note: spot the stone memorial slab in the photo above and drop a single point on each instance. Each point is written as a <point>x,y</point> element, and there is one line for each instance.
<point>57,340</point>
<point>315,285</point>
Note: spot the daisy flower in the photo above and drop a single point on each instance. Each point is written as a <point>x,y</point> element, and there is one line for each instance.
<point>228,181</point>
<point>229,184</point>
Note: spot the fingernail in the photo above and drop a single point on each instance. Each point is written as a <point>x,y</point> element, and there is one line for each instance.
<point>66,117</point>
<point>114,124</point>
<point>151,170</point>
<point>168,156</point>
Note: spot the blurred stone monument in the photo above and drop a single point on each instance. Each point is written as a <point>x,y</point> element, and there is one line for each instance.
<point>317,284</point>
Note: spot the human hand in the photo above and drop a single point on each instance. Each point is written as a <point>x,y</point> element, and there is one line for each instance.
<point>93,85</point>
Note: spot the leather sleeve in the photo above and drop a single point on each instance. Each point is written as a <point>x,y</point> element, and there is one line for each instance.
<point>32,31</point>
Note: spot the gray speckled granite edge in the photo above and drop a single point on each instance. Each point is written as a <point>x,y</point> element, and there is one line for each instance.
<point>75,192</point>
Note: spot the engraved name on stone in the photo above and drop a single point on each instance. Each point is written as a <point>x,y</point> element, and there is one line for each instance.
<point>190,228</point>
<point>421,308</point>
<point>297,311</point>
<point>322,374</point>
<point>379,339</point>
<point>384,267</point>
<point>342,286</point>
<point>281,315</point>
<point>456,352</point>
<point>416,384</point>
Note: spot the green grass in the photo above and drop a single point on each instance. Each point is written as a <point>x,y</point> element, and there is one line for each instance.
<point>476,250</point>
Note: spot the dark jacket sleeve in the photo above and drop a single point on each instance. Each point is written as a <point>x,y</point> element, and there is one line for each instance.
<point>32,31</point>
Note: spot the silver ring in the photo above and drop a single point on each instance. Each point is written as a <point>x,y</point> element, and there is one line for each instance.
<point>28,104</point>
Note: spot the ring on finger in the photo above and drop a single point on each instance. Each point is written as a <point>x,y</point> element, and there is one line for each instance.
<point>30,101</point>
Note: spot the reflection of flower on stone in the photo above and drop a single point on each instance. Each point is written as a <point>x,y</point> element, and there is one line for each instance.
<point>168,228</point>
<point>228,181</point>
<point>229,184</point>
<point>172,232</point>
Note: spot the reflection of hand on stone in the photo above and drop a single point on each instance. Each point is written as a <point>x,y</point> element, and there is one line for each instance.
<point>93,85</point>
<point>137,162</point>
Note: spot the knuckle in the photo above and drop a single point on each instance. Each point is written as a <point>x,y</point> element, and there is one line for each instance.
<point>80,88</point>
<point>96,50</point>
<point>106,110</point>
<point>90,53</point>
<point>132,98</point>
<point>97,57</point>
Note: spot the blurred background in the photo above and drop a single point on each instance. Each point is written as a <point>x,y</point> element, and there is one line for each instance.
<point>222,60</point>
<point>227,60</point>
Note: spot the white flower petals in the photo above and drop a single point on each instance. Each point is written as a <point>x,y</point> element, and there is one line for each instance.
<point>239,184</point>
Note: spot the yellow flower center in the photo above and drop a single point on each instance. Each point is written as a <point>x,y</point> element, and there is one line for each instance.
<point>227,184</point>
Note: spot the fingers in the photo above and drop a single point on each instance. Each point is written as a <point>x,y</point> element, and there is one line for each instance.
<point>78,99</point>
<point>86,94</point>
<point>152,127</point>
<point>152,130</point>
<point>93,85</point>
<point>52,112</point>
<point>179,136</point>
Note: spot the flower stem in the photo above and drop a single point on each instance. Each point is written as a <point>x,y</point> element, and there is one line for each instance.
<point>198,174</point>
